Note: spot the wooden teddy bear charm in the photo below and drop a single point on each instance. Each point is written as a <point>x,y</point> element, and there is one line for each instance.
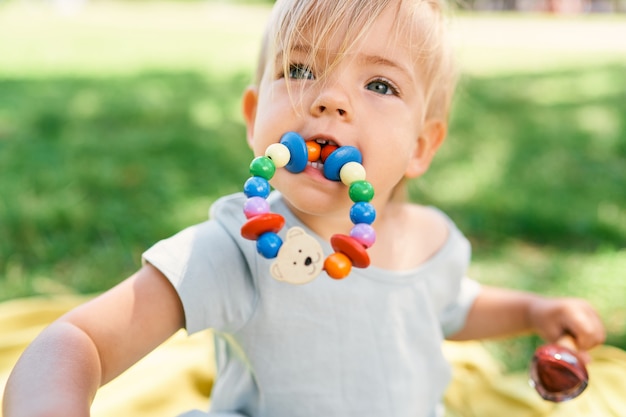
<point>300,259</point>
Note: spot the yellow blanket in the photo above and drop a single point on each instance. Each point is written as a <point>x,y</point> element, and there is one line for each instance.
<point>178,375</point>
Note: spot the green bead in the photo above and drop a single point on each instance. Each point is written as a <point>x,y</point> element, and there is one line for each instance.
<point>361,191</point>
<point>263,167</point>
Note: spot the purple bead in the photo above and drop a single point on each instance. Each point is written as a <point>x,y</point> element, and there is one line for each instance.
<point>255,206</point>
<point>364,233</point>
<point>268,245</point>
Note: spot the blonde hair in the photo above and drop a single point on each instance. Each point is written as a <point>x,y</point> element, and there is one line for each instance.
<point>424,20</point>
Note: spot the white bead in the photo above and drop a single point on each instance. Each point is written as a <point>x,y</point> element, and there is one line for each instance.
<point>350,172</point>
<point>279,154</point>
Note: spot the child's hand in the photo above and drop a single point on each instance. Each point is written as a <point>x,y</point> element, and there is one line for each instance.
<point>554,317</point>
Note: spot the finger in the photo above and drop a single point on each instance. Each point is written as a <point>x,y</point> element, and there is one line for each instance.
<point>584,356</point>
<point>587,327</point>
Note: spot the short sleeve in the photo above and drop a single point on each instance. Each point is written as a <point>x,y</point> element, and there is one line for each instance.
<point>210,275</point>
<point>455,314</point>
<point>452,291</point>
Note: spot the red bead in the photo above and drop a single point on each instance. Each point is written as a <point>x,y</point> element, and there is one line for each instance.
<point>263,223</point>
<point>327,150</point>
<point>337,265</point>
<point>352,248</point>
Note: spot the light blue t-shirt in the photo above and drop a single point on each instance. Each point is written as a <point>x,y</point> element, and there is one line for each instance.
<point>367,345</point>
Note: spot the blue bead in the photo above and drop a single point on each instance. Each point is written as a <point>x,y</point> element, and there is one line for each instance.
<point>362,212</point>
<point>299,153</point>
<point>337,159</point>
<point>268,244</point>
<point>256,187</point>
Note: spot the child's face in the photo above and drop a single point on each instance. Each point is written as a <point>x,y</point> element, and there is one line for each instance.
<point>372,99</point>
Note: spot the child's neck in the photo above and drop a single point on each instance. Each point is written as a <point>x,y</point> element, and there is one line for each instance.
<point>324,226</point>
<point>407,236</point>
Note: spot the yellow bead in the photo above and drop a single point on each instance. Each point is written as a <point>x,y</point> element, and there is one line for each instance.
<point>279,154</point>
<point>351,172</point>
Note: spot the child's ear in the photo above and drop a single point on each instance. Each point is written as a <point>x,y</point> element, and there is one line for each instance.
<point>432,136</point>
<point>248,107</point>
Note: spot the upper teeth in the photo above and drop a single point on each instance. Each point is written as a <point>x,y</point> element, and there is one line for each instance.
<point>325,142</point>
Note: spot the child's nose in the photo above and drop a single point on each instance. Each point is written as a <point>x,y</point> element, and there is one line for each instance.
<point>323,109</point>
<point>332,101</point>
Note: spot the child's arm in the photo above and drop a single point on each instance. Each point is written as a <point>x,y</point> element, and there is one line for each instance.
<point>60,372</point>
<point>500,312</point>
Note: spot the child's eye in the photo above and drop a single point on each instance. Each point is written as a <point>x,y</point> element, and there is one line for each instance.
<point>300,72</point>
<point>382,87</point>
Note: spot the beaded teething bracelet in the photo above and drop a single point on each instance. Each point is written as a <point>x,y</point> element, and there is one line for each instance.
<point>299,259</point>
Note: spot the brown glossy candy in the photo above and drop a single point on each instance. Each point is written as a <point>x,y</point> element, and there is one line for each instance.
<point>558,373</point>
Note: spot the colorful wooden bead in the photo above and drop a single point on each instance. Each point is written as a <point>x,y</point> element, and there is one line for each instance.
<point>255,206</point>
<point>326,151</point>
<point>340,164</point>
<point>352,248</point>
<point>263,167</point>
<point>263,223</point>
<point>268,244</point>
<point>337,265</point>
<point>351,172</point>
<point>314,150</point>
<point>362,212</point>
<point>279,154</point>
<point>256,187</point>
<point>361,191</point>
<point>338,159</point>
<point>364,234</point>
<point>298,153</point>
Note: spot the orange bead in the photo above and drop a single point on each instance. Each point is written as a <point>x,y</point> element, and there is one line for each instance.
<point>337,265</point>
<point>314,149</point>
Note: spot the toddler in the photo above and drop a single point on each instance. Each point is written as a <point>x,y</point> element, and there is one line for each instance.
<point>351,99</point>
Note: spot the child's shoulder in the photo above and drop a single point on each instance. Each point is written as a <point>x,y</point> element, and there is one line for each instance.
<point>433,218</point>
<point>415,232</point>
<point>432,224</point>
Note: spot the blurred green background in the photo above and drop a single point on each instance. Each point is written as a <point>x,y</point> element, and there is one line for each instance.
<point>120,124</point>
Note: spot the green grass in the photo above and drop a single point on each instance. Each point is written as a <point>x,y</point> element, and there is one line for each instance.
<point>94,171</point>
<point>120,125</point>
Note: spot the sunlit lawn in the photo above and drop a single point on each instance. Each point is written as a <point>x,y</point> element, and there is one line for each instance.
<point>120,124</point>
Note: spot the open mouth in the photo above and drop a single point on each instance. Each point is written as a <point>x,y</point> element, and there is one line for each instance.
<point>319,149</point>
